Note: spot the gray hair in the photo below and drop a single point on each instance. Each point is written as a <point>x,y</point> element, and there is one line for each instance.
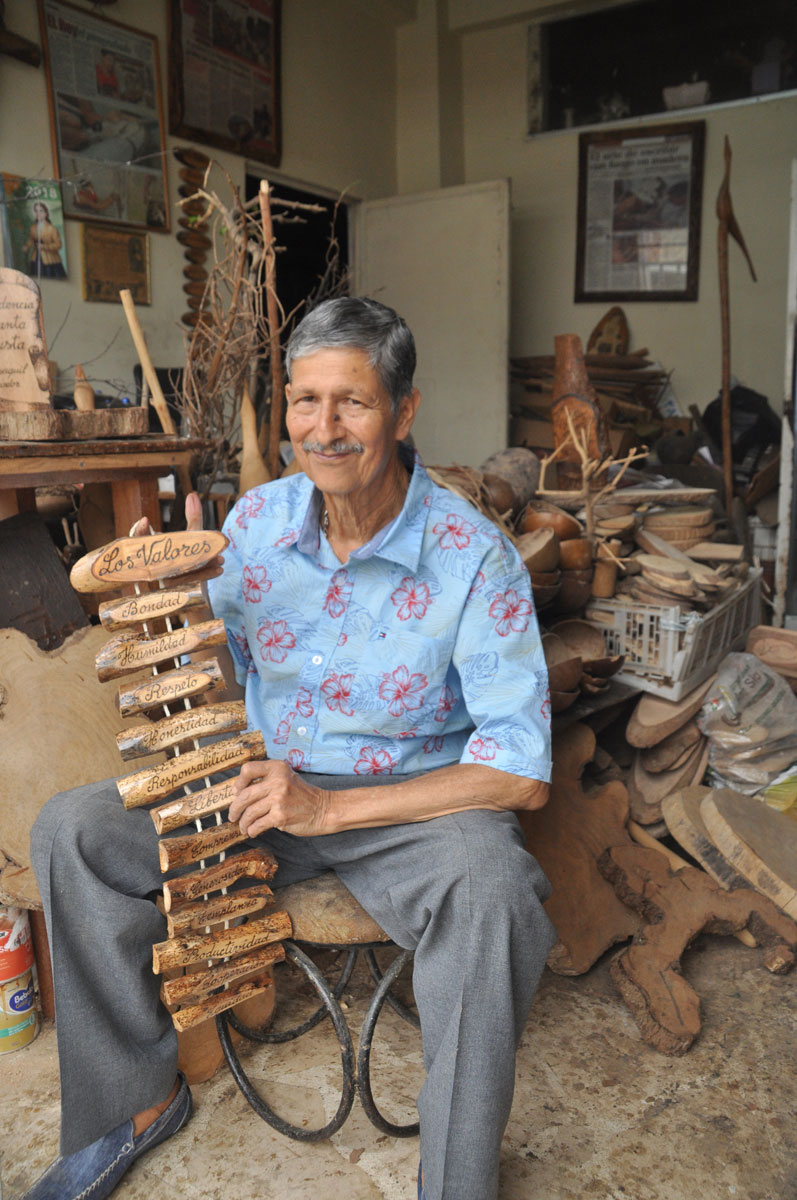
<point>361,324</point>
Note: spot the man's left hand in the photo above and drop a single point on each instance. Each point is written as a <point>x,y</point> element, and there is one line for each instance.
<point>269,795</point>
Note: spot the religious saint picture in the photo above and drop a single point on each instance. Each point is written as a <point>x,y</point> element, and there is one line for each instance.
<point>33,227</point>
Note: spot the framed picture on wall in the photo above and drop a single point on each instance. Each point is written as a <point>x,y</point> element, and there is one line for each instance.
<point>104,92</point>
<point>115,259</point>
<point>224,75</point>
<point>639,201</point>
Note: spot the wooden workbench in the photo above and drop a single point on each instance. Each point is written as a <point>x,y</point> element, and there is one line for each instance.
<point>132,466</point>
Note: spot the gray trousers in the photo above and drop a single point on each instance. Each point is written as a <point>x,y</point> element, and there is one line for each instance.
<point>460,890</point>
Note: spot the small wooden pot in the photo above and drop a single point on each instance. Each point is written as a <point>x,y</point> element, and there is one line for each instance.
<point>604,580</point>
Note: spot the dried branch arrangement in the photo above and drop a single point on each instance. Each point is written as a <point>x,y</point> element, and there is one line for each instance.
<point>237,335</point>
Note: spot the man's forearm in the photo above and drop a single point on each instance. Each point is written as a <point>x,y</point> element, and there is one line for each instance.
<point>439,793</point>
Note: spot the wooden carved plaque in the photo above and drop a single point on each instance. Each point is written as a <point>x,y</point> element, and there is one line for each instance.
<point>24,369</point>
<point>145,559</point>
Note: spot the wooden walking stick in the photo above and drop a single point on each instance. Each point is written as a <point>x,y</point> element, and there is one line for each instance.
<point>203,920</point>
<point>727,225</point>
<point>272,313</point>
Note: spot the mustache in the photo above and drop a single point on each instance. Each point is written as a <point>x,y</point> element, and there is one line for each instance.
<point>333,447</point>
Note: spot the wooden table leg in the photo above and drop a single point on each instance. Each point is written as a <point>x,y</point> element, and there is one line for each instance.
<point>132,499</point>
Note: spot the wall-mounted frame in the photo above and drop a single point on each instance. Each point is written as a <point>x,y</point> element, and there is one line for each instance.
<point>639,203</point>
<point>224,75</point>
<point>104,92</point>
<point>113,259</point>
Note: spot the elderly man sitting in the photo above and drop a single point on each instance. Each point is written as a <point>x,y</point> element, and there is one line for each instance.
<point>384,634</point>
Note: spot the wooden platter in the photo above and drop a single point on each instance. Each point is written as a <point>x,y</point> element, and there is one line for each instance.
<point>669,753</point>
<point>757,840</point>
<point>647,791</point>
<point>654,718</point>
<point>775,647</point>
<point>681,812</point>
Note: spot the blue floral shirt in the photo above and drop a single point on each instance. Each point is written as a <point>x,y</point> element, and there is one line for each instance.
<point>422,651</point>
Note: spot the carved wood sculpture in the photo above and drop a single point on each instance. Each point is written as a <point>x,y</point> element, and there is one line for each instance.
<point>728,225</point>
<point>676,908</point>
<point>202,918</point>
<point>575,405</point>
<point>567,837</point>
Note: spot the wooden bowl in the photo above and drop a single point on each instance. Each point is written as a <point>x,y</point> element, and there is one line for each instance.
<point>539,550</point>
<point>545,578</point>
<point>573,594</point>
<point>565,676</point>
<point>578,576</point>
<point>562,700</point>
<point>582,638</point>
<point>541,514</point>
<point>575,554</point>
<point>543,596</point>
<point>499,493</point>
<point>591,685</point>
<point>604,667</point>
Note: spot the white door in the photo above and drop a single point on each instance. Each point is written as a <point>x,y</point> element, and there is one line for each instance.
<point>441,259</point>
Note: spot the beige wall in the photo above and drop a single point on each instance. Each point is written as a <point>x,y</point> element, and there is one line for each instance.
<point>338,131</point>
<point>684,337</point>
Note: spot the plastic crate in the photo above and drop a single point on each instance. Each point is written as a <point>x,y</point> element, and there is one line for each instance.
<point>667,652</point>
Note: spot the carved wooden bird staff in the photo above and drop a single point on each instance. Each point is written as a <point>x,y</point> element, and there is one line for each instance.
<point>727,225</point>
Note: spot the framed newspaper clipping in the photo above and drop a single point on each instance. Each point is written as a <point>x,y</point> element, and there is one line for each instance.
<point>104,91</point>
<point>639,201</point>
<point>224,75</point>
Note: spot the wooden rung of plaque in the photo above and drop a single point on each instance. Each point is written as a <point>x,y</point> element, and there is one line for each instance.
<point>231,907</point>
<point>226,717</point>
<point>125,653</point>
<point>170,687</point>
<point>149,606</point>
<point>201,803</point>
<point>250,864</point>
<point>182,851</point>
<point>195,986</point>
<point>186,1018</point>
<point>145,559</point>
<point>191,948</point>
<point>155,783</point>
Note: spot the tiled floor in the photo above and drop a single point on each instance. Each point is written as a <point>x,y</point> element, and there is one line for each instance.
<point>598,1115</point>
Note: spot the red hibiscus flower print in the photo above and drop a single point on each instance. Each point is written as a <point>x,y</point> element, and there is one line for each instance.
<point>445,704</point>
<point>510,613</point>
<point>433,745</point>
<point>343,639</point>
<point>275,640</point>
<point>337,693</point>
<point>296,759</point>
<point>373,762</point>
<point>243,646</point>
<point>288,538</point>
<point>255,584</point>
<point>545,708</point>
<point>248,506</point>
<point>283,729</point>
<point>411,598</point>
<point>340,588</point>
<point>454,533</point>
<point>402,690</point>
<point>477,584</point>
<point>304,702</point>
<point>483,749</point>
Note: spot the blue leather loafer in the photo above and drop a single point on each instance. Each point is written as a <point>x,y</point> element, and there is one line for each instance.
<point>93,1172</point>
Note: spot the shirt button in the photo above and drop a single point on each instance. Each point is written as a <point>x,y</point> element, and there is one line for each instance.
<point>302,730</point>
<point>317,659</point>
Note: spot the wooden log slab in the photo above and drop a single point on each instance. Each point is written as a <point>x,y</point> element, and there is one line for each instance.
<point>681,812</point>
<point>250,864</point>
<point>197,985</point>
<point>676,908</point>
<point>201,803</point>
<point>775,647</point>
<point>191,1015</point>
<point>181,851</point>
<point>155,783</point>
<point>68,425</point>
<point>227,717</point>
<point>229,907</point>
<point>169,687</point>
<point>646,791</point>
<point>124,654</point>
<point>567,837</point>
<point>191,948</point>
<point>132,610</point>
<point>758,841</point>
<point>654,719</point>
<point>672,751</point>
<point>145,559</point>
